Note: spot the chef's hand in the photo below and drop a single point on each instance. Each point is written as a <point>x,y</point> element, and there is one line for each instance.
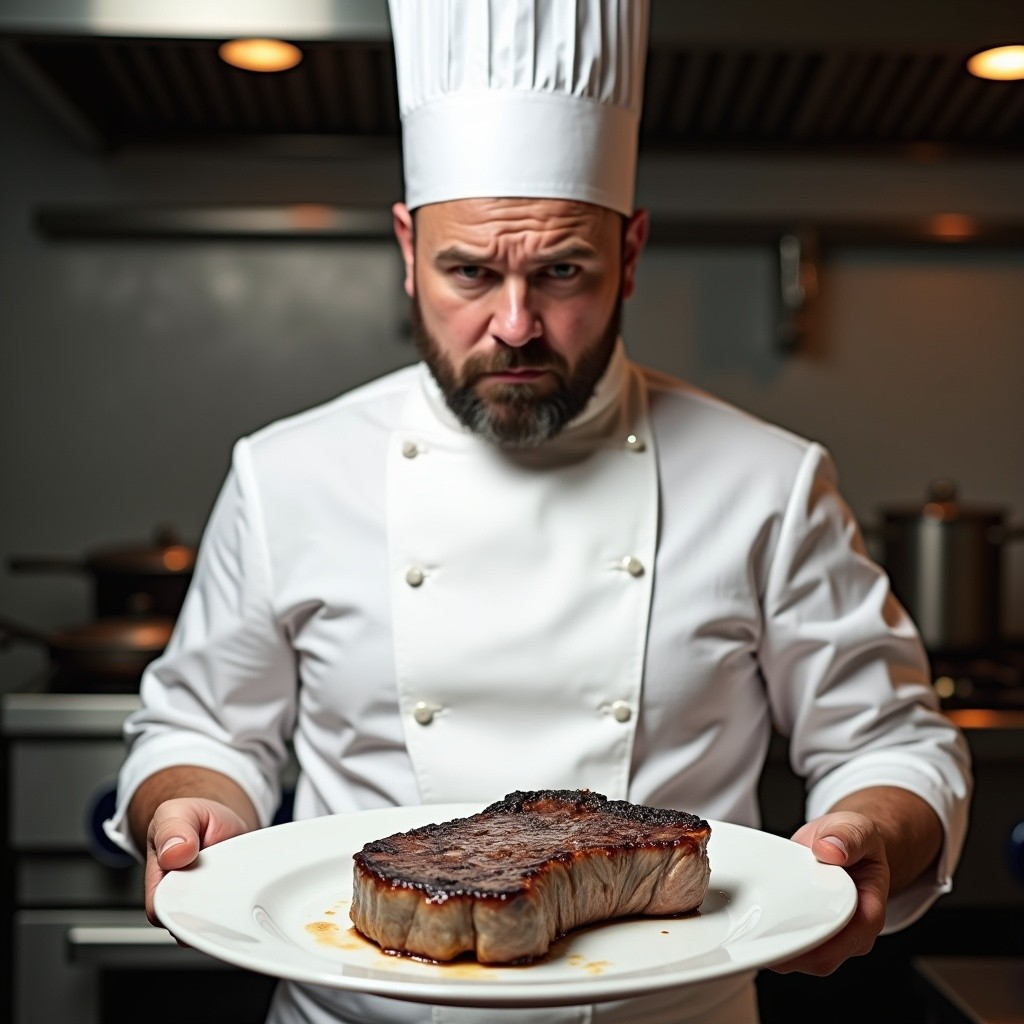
<point>179,829</point>
<point>177,812</point>
<point>887,838</point>
<point>852,841</point>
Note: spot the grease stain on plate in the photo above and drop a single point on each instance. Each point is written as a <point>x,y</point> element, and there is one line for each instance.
<point>471,969</point>
<point>327,933</point>
<point>583,963</point>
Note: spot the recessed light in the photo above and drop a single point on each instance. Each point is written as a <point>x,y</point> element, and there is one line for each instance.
<point>260,54</point>
<point>1002,63</point>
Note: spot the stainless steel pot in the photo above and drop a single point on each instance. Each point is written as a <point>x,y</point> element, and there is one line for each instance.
<point>944,559</point>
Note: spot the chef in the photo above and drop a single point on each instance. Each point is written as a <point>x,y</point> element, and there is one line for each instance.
<point>526,561</point>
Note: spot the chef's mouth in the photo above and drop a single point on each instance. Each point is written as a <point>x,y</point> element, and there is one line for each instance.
<point>513,366</point>
<point>516,375</point>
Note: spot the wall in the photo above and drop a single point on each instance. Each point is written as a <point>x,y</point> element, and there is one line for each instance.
<point>128,369</point>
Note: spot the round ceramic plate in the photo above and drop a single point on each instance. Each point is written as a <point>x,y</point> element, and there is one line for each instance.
<point>276,901</point>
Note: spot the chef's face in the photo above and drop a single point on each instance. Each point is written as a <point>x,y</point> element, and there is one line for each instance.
<point>516,306</point>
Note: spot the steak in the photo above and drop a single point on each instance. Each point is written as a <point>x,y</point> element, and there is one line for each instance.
<point>504,883</point>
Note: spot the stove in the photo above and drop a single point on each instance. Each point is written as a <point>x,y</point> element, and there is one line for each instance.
<point>75,945</point>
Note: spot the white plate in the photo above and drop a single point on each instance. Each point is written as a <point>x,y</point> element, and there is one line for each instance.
<point>276,901</point>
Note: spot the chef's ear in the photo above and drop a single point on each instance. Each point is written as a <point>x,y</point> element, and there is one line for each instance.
<point>404,227</point>
<point>634,238</point>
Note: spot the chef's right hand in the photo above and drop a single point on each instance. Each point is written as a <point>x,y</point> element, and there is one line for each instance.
<point>179,829</point>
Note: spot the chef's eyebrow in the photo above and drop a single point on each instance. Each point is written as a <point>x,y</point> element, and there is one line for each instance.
<point>455,256</point>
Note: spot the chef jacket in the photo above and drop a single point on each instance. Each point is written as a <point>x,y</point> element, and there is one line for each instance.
<point>424,617</point>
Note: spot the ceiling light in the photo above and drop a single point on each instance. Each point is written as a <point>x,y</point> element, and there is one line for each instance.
<point>260,54</point>
<point>1003,63</point>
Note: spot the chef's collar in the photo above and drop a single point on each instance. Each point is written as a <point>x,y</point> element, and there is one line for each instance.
<point>599,418</point>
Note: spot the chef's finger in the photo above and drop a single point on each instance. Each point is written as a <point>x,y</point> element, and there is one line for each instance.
<point>830,850</point>
<point>856,939</point>
<point>175,840</point>
<point>177,851</point>
<point>153,877</point>
<point>154,873</point>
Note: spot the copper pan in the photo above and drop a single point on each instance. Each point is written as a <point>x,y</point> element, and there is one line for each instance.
<point>128,579</point>
<point>108,654</point>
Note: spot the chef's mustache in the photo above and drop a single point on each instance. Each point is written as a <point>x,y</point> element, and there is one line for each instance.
<point>534,355</point>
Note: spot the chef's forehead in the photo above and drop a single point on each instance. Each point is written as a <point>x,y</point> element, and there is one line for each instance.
<point>489,217</point>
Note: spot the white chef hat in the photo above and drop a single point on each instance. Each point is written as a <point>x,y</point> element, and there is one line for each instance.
<point>533,98</point>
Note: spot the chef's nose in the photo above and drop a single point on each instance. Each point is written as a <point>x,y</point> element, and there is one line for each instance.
<point>514,323</point>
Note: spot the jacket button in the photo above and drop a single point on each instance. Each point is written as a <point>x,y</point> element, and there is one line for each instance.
<point>632,565</point>
<point>410,449</point>
<point>414,576</point>
<point>621,711</point>
<point>634,444</point>
<point>423,713</point>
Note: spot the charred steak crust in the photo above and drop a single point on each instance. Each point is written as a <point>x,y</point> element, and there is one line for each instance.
<point>505,882</point>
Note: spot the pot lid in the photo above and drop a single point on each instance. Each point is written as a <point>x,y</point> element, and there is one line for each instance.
<point>943,504</point>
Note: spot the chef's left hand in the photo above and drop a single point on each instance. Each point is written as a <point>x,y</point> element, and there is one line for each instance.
<point>854,842</point>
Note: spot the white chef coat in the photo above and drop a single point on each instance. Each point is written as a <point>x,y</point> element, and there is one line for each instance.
<point>761,606</point>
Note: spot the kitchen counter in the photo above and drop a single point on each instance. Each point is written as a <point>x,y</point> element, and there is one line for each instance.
<point>996,739</point>
<point>985,877</point>
<point>65,714</point>
<point>994,731</point>
<point>973,989</point>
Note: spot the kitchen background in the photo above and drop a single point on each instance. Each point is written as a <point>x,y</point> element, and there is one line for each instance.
<point>130,361</point>
<point>131,358</point>
<point>168,285</point>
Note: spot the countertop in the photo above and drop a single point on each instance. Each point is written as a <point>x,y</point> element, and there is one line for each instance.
<point>975,989</point>
<point>993,734</point>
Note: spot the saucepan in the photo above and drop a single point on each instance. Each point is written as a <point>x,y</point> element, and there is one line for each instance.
<point>944,560</point>
<point>106,655</point>
<point>130,579</point>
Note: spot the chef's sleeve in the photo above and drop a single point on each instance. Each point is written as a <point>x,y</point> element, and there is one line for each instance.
<point>223,693</point>
<point>849,679</point>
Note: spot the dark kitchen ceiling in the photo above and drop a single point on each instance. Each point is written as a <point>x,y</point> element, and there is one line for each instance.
<point>761,76</point>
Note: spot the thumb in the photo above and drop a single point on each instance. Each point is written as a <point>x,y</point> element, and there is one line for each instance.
<point>830,849</point>
<point>176,842</point>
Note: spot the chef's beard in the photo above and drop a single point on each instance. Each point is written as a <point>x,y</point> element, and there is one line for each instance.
<point>517,415</point>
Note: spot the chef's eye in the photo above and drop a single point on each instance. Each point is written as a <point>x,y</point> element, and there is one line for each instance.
<point>563,271</point>
<point>470,272</point>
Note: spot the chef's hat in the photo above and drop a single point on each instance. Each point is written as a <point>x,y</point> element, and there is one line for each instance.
<point>533,98</point>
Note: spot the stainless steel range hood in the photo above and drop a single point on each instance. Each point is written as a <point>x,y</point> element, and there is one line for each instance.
<point>198,19</point>
<point>770,76</point>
